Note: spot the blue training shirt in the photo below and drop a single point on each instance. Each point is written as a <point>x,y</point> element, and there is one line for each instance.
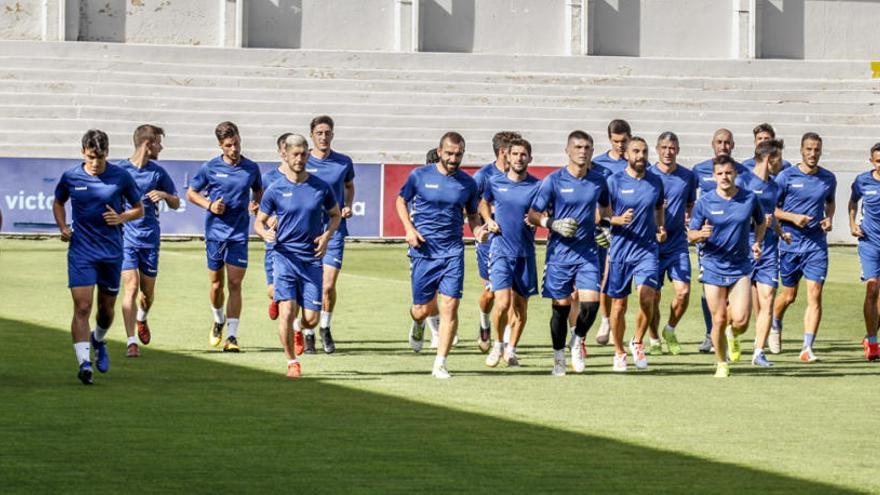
<point>300,210</point>
<point>566,196</point>
<point>438,201</point>
<point>638,239</point>
<point>679,190</point>
<point>268,179</point>
<point>610,164</point>
<point>706,177</point>
<point>728,250</point>
<point>867,189</point>
<point>486,173</point>
<point>767,193</point>
<point>145,232</point>
<point>233,183</point>
<point>336,170</point>
<point>89,195</point>
<point>512,201</point>
<point>805,194</point>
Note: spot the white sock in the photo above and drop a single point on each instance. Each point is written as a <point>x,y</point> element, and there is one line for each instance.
<point>141,314</point>
<point>728,332</point>
<point>506,337</point>
<point>511,349</point>
<point>434,325</point>
<point>82,351</point>
<point>100,333</point>
<point>758,352</point>
<point>292,361</point>
<point>325,319</point>
<point>606,320</point>
<point>297,326</point>
<point>309,331</point>
<point>132,340</point>
<point>669,329</point>
<point>232,325</point>
<point>498,345</point>
<point>577,341</point>
<point>485,322</point>
<point>559,355</point>
<point>219,317</point>
<point>439,361</point>
<point>653,340</point>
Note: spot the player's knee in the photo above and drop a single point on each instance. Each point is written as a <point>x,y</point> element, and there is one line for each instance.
<point>82,309</point>
<point>234,285</point>
<point>217,285</point>
<point>682,294</point>
<point>309,319</point>
<point>420,311</point>
<point>872,289</point>
<point>739,321</point>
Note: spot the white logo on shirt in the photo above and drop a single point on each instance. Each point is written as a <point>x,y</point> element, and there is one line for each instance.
<point>311,170</point>
<point>758,191</point>
<point>797,185</point>
<point>870,192</point>
<point>219,174</point>
<point>502,189</point>
<point>81,188</point>
<point>627,191</point>
<point>287,195</point>
<point>709,179</point>
<point>717,212</point>
<point>432,186</point>
<point>569,190</point>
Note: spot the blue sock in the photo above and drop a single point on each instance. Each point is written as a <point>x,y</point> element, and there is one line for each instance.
<point>872,340</point>
<point>776,324</point>
<point>707,315</point>
<point>808,340</point>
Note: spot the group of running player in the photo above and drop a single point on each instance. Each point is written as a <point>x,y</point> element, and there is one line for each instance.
<point>613,221</point>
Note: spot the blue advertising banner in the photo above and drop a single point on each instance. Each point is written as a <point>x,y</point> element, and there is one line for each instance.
<point>27,187</point>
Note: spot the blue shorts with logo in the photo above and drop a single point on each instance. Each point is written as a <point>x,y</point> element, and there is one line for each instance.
<point>220,253</point>
<point>335,252</point>
<point>85,273</point>
<point>144,259</point>
<point>621,274</point>
<point>766,270</point>
<point>676,266</point>
<point>813,265</point>
<point>517,273</point>
<point>869,256</point>
<point>561,280</point>
<point>432,275</point>
<point>298,279</point>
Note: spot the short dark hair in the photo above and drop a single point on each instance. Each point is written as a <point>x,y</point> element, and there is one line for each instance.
<point>502,139</point>
<point>146,132</point>
<point>521,142</point>
<point>636,139</point>
<point>772,147</point>
<point>811,136</point>
<point>280,141</point>
<point>226,130</point>
<point>453,137</point>
<point>723,160</point>
<point>875,148</point>
<point>321,119</point>
<point>667,136</point>
<point>578,134</point>
<point>97,141</point>
<point>618,126</point>
<point>431,156</point>
<point>765,127</point>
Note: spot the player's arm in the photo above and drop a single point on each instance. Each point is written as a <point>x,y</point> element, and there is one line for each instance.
<point>413,237</point>
<point>793,218</point>
<point>335,218</point>
<point>828,222</point>
<point>165,191</point>
<point>256,196</point>
<point>348,199</point>
<point>854,228</point>
<point>660,219</point>
<point>61,219</point>
<point>262,228</point>
<point>481,232</point>
<point>699,229</point>
<point>485,210</point>
<point>216,206</point>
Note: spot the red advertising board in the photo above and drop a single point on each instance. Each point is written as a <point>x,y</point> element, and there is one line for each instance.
<point>394,177</point>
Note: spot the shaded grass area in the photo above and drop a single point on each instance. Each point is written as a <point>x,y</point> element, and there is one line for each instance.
<point>188,424</point>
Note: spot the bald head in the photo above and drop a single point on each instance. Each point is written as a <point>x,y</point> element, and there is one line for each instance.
<point>722,142</point>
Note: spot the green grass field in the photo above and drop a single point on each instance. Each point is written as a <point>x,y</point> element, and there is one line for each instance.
<point>186,417</point>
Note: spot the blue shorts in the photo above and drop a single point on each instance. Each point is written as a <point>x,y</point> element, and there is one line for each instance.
<point>144,259</point>
<point>104,274</point>
<point>518,273</point>
<point>433,275</point>
<point>483,259</point>
<point>622,273</point>
<point>269,264</point>
<point>219,253</point>
<point>561,280</point>
<point>335,251</point>
<point>676,266</point>
<point>298,280</point>
<point>766,270</point>
<point>869,256</point>
<point>813,265</point>
<point>709,277</point>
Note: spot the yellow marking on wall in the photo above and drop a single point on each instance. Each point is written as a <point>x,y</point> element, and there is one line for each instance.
<point>875,69</point>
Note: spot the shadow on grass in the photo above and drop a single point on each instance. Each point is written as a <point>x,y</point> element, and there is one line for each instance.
<point>168,422</point>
